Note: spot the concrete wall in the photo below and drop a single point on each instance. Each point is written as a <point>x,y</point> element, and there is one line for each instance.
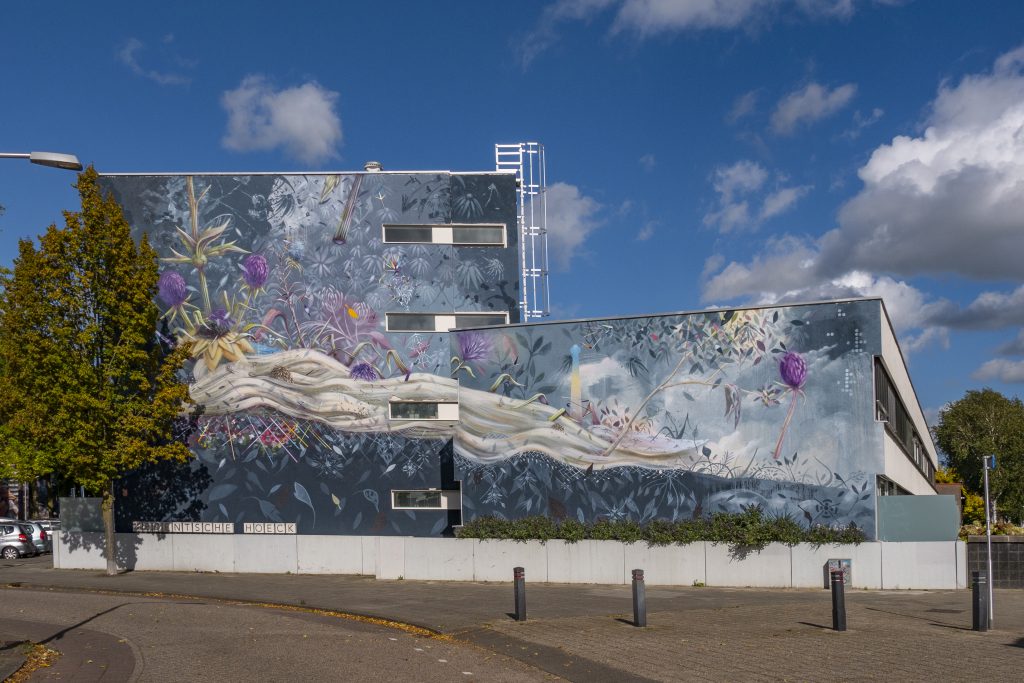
<point>918,518</point>
<point>907,477</point>
<point>876,565</point>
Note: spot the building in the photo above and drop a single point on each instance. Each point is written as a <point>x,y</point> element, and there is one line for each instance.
<point>365,367</point>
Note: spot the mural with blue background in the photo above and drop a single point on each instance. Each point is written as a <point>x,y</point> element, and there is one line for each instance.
<point>281,283</point>
<point>674,416</point>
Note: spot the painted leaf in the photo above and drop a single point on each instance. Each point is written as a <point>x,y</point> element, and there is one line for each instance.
<point>302,495</point>
<point>221,491</point>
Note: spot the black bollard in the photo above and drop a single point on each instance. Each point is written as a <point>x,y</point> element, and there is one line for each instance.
<point>519,578</point>
<point>838,601</point>
<point>979,601</point>
<point>639,599</point>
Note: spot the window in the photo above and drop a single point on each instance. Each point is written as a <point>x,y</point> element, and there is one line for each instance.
<point>429,499</point>
<point>484,234</point>
<point>887,487</point>
<point>441,322</point>
<point>423,410</point>
<point>889,409</point>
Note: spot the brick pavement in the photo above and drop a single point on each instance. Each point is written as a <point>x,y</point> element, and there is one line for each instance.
<point>694,633</point>
<point>787,641</point>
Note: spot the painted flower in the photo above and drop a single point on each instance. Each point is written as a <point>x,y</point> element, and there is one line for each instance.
<point>793,370</point>
<point>363,371</point>
<point>473,346</point>
<point>255,270</point>
<point>214,340</point>
<point>219,323</point>
<point>172,289</point>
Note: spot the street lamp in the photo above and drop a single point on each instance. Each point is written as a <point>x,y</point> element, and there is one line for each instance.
<point>52,159</point>
<point>989,463</point>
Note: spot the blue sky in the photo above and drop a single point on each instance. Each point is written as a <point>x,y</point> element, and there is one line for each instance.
<point>700,152</point>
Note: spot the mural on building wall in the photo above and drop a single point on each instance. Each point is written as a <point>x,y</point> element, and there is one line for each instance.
<point>673,416</point>
<point>281,284</point>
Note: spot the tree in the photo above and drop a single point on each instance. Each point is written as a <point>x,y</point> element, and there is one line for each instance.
<point>90,393</point>
<point>984,422</point>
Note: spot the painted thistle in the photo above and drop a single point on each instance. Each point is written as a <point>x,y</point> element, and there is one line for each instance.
<point>793,370</point>
<point>255,271</point>
<point>172,289</point>
<point>364,372</point>
<point>474,346</point>
<point>215,340</point>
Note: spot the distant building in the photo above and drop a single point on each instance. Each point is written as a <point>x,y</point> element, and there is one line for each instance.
<point>365,367</point>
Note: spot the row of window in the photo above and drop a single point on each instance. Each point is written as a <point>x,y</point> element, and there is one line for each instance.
<point>476,235</point>
<point>890,410</point>
<point>425,499</point>
<point>887,487</point>
<point>441,322</point>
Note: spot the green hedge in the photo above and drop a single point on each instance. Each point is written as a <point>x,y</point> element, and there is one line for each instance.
<point>747,530</point>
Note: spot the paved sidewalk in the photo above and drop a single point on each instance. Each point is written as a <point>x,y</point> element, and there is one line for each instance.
<point>583,632</point>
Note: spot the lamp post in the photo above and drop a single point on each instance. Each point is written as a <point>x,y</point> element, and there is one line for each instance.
<point>54,160</point>
<point>51,159</point>
<point>989,464</point>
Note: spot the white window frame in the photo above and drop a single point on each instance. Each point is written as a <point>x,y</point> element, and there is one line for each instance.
<point>445,233</point>
<point>447,411</point>
<point>443,322</point>
<point>450,499</point>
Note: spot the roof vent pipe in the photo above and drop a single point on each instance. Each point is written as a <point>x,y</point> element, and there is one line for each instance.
<point>373,166</point>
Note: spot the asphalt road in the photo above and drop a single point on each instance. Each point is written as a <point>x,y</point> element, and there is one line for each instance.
<point>128,638</point>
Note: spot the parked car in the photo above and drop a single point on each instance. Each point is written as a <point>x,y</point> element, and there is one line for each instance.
<point>48,524</point>
<point>41,539</point>
<point>16,540</point>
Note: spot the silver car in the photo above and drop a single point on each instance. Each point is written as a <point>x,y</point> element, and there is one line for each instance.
<point>41,539</point>
<point>16,540</point>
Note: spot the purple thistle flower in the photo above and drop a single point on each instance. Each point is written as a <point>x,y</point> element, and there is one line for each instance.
<point>473,346</point>
<point>793,370</point>
<point>255,270</point>
<point>363,371</point>
<point>172,289</point>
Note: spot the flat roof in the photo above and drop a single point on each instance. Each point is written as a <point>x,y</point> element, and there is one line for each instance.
<point>534,323</point>
<point>251,173</point>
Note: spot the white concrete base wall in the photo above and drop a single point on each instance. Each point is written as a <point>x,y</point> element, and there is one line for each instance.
<point>876,565</point>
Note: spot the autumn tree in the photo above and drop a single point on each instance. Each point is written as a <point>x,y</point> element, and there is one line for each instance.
<point>90,394</point>
<point>984,422</point>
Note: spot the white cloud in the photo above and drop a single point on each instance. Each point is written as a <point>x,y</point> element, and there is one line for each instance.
<point>645,18</point>
<point>743,106</point>
<point>782,200</point>
<point>571,217</point>
<point>811,103</point>
<point>129,56</point>
<point>1002,370</point>
<point>949,201</point>
<point>860,122</point>
<point>739,188</point>
<point>648,162</point>
<point>300,120</point>
<point>1013,348</point>
<point>646,232</point>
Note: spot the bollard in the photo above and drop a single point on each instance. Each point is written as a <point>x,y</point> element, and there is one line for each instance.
<point>519,578</point>
<point>639,599</point>
<point>838,601</point>
<point>979,601</point>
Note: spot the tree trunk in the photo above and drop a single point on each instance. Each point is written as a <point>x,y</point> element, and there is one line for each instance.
<point>108,529</point>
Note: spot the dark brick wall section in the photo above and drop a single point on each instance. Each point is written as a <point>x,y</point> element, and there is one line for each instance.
<point>1007,559</point>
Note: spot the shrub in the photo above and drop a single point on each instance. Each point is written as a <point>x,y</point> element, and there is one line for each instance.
<point>741,531</point>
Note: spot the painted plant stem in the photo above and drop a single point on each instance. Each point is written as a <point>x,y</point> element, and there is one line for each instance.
<point>193,210</point>
<point>785,424</point>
